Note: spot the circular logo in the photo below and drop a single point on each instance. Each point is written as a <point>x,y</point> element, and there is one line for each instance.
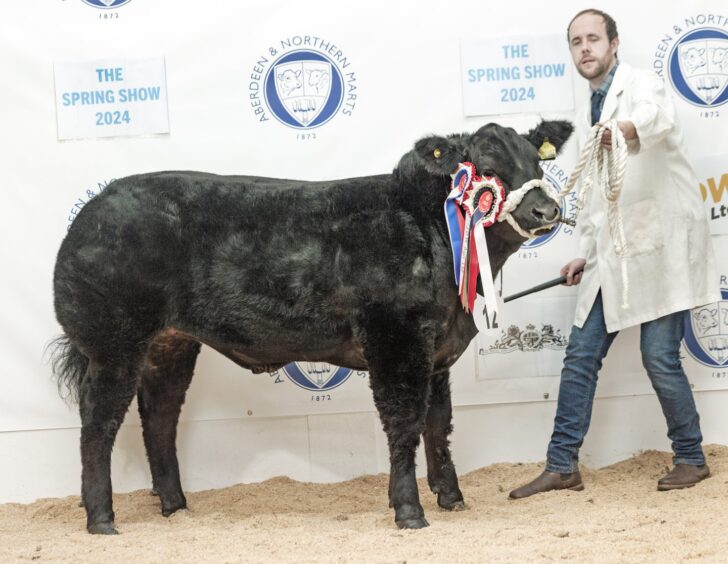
<point>706,333</point>
<point>106,4</point>
<point>303,89</point>
<point>316,376</point>
<point>698,67</point>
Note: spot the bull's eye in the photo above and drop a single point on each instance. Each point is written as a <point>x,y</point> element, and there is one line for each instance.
<point>489,172</point>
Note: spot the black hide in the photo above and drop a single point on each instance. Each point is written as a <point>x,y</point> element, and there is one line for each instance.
<point>357,272</point>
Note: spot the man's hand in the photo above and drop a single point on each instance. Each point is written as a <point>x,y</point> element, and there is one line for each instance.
<point>573,271</point>
<point>626,127</point>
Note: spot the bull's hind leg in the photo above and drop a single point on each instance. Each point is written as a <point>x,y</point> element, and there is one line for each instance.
<point>168,369</point>
<point>105,394</point>
<point>399,353</point>
<point>441,474</point>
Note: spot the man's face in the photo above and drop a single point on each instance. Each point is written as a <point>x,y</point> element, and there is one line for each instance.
<point>592,52</point>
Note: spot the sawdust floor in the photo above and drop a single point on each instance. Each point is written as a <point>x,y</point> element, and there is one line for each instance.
<point>620,517</point>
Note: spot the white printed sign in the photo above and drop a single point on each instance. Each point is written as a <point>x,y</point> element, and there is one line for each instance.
<point>109,98</point>
<point>523,74</point>
<point>532,341</point>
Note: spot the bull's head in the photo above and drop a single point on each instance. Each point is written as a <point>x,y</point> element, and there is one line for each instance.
<point>513,158</point>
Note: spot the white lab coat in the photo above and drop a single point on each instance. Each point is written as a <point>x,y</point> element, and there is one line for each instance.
<point>670,259</point>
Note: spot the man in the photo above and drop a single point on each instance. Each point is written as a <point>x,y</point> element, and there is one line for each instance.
<point>670,262</point>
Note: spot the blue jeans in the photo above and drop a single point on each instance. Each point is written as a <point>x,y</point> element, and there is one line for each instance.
<point>660,345</point>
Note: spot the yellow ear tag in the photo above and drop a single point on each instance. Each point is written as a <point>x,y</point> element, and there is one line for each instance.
<point>437,153</point>
<point>547,151</point>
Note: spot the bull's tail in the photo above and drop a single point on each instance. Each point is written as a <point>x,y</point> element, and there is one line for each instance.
<point>69,367</point>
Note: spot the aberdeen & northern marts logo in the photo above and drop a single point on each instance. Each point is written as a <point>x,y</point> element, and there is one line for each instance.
<point>706,333</point>
<point>303,82</point>
<point>695,58</point>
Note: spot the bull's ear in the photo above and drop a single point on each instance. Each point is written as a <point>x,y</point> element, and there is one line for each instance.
<point>438,155</point>
<point>557,132</point>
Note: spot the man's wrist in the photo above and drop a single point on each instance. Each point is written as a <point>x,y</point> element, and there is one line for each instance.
<point>628,130</point>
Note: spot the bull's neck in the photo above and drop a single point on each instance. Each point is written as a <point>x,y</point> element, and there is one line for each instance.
<point>499,250</point>
<point>421,193</point>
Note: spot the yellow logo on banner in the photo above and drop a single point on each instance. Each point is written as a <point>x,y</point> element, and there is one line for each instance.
<point>717,189</point>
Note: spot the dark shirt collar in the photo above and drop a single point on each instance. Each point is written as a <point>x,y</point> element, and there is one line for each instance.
<point>607,82</point>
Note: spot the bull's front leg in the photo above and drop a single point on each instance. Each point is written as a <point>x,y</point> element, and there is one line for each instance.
<point>399,355</point>
<point>441,474</point>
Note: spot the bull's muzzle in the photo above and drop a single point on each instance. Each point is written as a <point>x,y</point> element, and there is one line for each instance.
<point>546,214</point>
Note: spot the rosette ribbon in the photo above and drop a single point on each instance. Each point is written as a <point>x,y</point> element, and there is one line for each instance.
<point>473,204</point>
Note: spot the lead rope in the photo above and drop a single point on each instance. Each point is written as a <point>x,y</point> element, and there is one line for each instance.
<point>606,168</point>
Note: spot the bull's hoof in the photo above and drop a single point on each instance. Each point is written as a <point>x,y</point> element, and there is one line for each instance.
<point>105,528</point>
<point>168,510</point>
<point>172,510</point>
<point>454,506</point>
<point>452,502</point>
<point>416,523</point>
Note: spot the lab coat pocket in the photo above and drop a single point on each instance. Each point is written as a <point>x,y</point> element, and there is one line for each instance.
<point>642,228</point>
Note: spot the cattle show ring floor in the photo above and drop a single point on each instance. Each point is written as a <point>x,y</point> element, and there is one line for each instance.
<point>619,517</point>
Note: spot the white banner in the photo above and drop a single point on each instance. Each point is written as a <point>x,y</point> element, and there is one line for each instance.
<point>520,74</point>
<point>110,98</point>
<point>364,101</point>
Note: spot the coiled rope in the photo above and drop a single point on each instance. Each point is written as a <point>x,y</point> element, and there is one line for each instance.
<point>605,168</point>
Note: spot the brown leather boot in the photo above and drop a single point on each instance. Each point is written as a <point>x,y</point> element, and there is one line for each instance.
<point>548,481</point>
<point>683,476</point>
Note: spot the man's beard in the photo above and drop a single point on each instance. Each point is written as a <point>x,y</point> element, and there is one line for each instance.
<point>596,71</point>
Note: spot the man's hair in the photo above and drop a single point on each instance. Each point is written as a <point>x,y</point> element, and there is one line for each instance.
<point>608,22</point>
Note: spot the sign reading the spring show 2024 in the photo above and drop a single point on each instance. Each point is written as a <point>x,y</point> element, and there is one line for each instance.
<point>111,98</point>
<point>524,74</point>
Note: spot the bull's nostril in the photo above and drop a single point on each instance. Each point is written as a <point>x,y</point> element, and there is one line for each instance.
<point>548,215</point>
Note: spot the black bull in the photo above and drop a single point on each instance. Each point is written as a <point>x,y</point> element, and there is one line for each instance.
<point>355,272</point>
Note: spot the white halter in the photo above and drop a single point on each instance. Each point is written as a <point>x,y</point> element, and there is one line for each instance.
<point>514,199</point>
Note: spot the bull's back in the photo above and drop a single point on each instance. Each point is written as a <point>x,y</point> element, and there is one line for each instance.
<point>156,220</point>
<point>209,252</point>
